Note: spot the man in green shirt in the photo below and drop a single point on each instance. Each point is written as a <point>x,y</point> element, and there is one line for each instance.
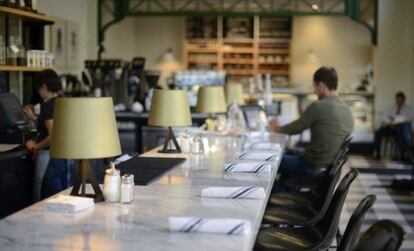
<point>330,122</point>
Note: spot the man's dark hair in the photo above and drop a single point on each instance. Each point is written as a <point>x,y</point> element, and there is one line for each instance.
<point>328,76</point>
<point>400,94</point>
<point>50,78</point>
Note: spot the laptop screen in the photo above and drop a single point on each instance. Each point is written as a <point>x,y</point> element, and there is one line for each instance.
<point>255,117</point>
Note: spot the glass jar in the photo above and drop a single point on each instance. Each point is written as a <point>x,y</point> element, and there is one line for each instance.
<point>21,55</point>
<point>12,51</point>
<point>28,5</point>
<point>112,184</point>
<point>127,188</point>
<point>2,51</point>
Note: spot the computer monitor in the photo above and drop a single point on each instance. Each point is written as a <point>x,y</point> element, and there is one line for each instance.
<point>11,112</point>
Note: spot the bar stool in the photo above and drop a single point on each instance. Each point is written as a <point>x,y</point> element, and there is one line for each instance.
<point>311,238</point>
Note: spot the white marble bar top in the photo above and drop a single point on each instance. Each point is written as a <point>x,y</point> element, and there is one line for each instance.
<point>143,225</point>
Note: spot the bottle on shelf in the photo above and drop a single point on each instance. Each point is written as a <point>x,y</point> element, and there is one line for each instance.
<point>251,87</point>
<point>268,90</point>
<point>21,55</point>
<point>12,51</point>
<point>2,51</point>
<point>20,4</point>
<point>14,3</point>
<point>260,98</point>
<point>10,3</point>
<point>28,5</point>
<point>268,94</point>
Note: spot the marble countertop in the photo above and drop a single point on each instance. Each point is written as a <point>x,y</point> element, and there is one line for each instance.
<point>143,224</point>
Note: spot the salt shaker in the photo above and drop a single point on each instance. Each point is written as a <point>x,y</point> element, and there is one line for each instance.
<point>127,188</point>
<point>112,184</point>
<point>185,142</point>
<point>206,145</point>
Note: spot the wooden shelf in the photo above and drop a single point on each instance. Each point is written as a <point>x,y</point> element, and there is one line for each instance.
<point>237,61</point>
<point>273,63</point>
<point>27,15</point>
<point>274,51</point>
<point>274,72</point>
<point>202,61</point>
<point>239,72</point>
<point>237,50</point>
<point>202,50</point>
<point>243,57</point>
<point>20,68</point>
<point>274,39</point>
<point>238,40</point>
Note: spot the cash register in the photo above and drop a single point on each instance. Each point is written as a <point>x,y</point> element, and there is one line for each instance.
<point>16,164</point>
<point>15,127</point>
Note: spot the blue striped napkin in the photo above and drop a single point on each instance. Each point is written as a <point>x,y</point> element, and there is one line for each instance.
<point>267,146</point>
<point>246,192</point>
<point>248,167</point>
<point>265,156</point>
<point>210,225</point>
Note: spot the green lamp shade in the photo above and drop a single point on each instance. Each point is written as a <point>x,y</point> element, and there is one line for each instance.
<point>211,100</point>
<point>84,128</point>
<point>234,94</point>
<point>170,108</point>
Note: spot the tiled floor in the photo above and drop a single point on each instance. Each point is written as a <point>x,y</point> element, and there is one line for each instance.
<point>395,205</point>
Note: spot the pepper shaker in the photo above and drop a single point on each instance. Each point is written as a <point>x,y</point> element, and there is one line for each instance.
<point>127,188</point>
<point>197,146</point>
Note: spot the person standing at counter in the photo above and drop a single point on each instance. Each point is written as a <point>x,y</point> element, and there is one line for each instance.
<point>330,121</point>
<point>50,175</point>
<point>396,123</point>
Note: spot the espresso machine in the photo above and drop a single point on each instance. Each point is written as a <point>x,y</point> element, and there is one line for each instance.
<point>151,79</point>
<point>135,80</point>
<point>109,79</point>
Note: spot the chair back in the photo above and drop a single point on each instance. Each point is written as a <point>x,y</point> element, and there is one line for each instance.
<point>327,187</point>
<point>342,151</point>
<point>328,225</point>
<point>351,234</point>
<point>383,235</point>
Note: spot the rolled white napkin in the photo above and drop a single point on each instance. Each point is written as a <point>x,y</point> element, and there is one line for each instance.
<point>248,167</point>
<point>263,146</point>
<point>68,204</point>
<point>122,158</point>
<point>260,134</point>
<point>210,225</point>
<point>234,192</point>
<point>267,156</point>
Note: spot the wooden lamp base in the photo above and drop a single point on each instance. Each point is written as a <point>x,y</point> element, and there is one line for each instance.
<point>170,137</point>
<point>84,174</point>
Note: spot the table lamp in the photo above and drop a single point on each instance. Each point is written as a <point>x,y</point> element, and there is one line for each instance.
<point>234,94</point>
<point>84,128</point>
<point>211,100</point>
<point>170,108</point>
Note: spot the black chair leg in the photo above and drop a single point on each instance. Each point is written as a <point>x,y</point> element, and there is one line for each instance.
<point>405,184</point>
<point>338,236</point>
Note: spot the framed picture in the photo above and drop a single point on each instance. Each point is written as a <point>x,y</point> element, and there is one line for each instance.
<point>72,43</point>
<point>58,43</point>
